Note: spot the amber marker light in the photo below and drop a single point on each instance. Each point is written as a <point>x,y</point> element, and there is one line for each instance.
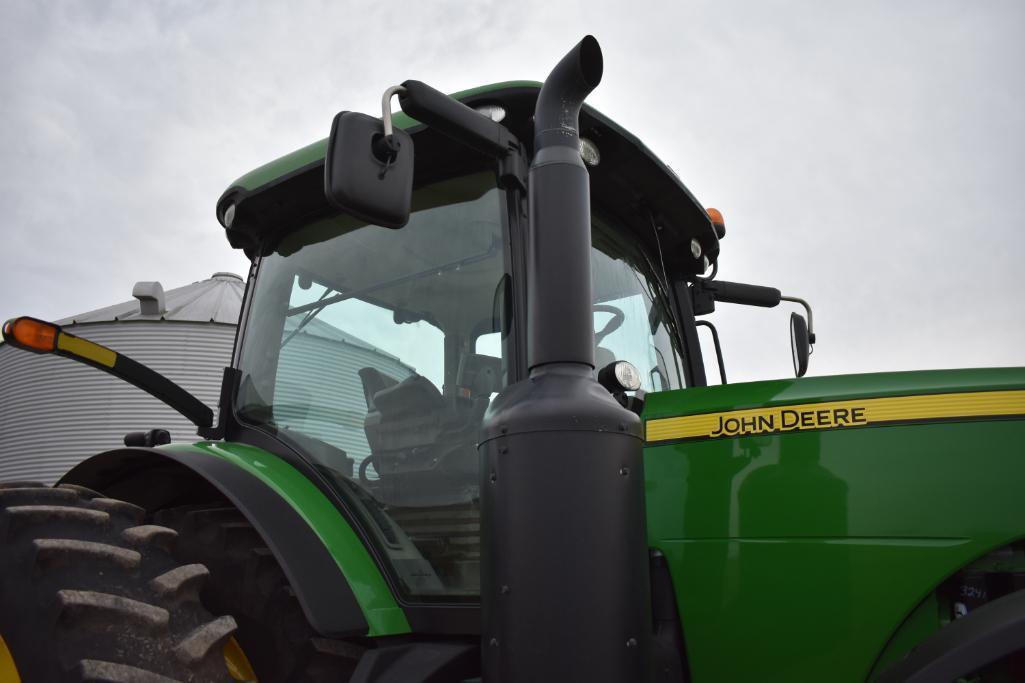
<point>31,334</point>
<point>718,222</point>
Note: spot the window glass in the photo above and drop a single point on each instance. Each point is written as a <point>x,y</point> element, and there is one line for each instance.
<point>631,317</point>
<point>374,351</point>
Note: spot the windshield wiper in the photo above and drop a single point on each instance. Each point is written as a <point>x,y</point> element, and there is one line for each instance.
<point>452,265</point>
<point>310,315</point>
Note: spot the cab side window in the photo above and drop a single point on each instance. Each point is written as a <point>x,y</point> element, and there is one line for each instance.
<point>631,317</point>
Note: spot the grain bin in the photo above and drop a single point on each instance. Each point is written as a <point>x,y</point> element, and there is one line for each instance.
<point>55,412</point>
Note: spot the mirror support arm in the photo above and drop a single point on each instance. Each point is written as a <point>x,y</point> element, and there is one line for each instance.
<point>466,126</point>
<point>65,344</point>
<point>718,348</point>
<point>807,309</point>
<point>455,119</point>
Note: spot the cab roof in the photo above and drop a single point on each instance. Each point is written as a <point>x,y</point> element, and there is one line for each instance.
<point>629,182</point>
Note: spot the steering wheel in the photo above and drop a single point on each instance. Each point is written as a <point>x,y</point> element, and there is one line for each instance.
<point>614,323</point>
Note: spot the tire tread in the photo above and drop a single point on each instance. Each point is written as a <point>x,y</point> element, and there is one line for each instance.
<point>90,593</point>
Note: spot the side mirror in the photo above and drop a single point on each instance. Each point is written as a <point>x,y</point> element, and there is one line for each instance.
<point>800,347</point>
<point>368,171</point>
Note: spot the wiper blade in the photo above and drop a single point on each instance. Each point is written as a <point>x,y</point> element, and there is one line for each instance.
<point>310,315</point>
<point>433,270</point>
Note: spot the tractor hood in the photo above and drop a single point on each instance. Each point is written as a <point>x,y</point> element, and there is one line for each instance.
<point>631,181</point>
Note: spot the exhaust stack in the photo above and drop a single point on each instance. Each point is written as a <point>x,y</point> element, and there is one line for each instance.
<point>564,579</point>
<point>560,329</point>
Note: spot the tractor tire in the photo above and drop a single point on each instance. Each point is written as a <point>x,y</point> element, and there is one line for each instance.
<point>249,584</point>
<point>89,592</point>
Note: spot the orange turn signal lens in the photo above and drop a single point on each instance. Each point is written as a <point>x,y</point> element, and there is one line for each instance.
<point>718,222</point>
<point>716,217</point>
<point>32,334</point>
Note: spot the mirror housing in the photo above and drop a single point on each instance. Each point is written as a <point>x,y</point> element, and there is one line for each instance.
<point>366,174</point>
<point>800,347</point>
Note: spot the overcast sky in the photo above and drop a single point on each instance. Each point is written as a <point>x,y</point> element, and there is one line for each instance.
<point>868,156</point>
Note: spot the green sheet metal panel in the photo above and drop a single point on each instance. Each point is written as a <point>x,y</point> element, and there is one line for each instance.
<point>799,553</point>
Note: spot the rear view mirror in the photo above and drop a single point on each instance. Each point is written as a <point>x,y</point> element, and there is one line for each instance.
<point>800,347</point>
<point>367,173</point>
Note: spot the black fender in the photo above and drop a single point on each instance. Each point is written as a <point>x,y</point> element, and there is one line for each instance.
<point>159,478</point>
<point>982,637</point>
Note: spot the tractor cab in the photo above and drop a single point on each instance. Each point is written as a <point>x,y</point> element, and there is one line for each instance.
<point>373,354</point>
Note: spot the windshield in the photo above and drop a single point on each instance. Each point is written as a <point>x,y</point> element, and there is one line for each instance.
<point>378,351</point>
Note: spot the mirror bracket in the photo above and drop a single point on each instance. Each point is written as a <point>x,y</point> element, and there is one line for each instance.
<point>807,308</point>
<point>512,169</point>
<point>718,348</point>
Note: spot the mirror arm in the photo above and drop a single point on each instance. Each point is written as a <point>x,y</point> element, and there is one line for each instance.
<point>807,308</point>
<point>117,364</point>
<point>456,120</point>
<point>706,292</point>
<point>464,125</point>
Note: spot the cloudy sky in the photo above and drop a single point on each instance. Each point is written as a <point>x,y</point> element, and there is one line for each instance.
<point>868,156</point>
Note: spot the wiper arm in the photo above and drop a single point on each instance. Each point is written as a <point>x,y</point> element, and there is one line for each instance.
<point>310,315</point>
<point>452,265</point>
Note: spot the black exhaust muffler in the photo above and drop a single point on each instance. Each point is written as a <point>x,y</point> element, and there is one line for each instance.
<point>565,591</point>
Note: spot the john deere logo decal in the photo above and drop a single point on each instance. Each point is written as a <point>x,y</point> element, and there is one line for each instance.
<point>839,415</point>
<point>789,419</point>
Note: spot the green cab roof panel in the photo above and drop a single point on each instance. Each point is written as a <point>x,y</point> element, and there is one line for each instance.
<point>315,152</point>
<point>629,183</point>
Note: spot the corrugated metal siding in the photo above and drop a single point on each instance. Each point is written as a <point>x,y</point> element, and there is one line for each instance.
<point>319,393</point>
<point>55,412</point>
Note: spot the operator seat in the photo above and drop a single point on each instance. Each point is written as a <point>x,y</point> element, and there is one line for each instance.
<point>481,377</point>
<point>403,415</point>
<point>423,443</point>
<point>374,381</point>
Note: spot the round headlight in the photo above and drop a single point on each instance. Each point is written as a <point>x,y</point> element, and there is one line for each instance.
<point>495,112</point>
<point>628,376</point>
<point>695,249</point>
<point>589,152</point>
<point>619,376</point>
<point>229,215</point>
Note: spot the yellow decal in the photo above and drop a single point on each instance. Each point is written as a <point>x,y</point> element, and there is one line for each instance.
<point>84,348</point>
<point>838,414</point>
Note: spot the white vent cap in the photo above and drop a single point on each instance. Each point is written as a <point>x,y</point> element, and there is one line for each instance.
<point>151,298</point>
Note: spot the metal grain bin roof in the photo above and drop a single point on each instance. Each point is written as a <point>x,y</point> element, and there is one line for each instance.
<point>217,300</point>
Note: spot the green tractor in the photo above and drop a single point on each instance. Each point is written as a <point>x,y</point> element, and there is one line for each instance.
<point>466,435</point>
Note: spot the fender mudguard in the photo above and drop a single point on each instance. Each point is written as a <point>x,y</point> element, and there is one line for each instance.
<point>986,634</point>
<point>337,583</point>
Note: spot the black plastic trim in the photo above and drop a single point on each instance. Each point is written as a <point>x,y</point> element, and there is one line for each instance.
<point>421,662</point>
<point>983,637</point>
<point>693,362</point>
<point>669,648</point>
<point>737,293</point>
